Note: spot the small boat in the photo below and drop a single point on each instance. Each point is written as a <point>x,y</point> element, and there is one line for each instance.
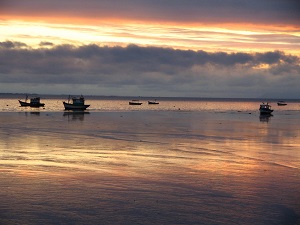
<point>34,102</point>
<point>135,102</point>
<point>265,109</point>
<point>153,102</point>
<point>281,103</point>
<point>77,104</point>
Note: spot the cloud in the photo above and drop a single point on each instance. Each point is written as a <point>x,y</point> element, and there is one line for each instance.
<point>150,68</point>
<point>46,43</point>
<point>10,44</point>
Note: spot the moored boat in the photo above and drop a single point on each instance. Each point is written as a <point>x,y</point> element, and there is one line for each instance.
<point>281,103</point>
<point>153,102</point>
<point>76,104</point>
<point>265,109</point>
<point>34,102</point>
<point>135,102</point>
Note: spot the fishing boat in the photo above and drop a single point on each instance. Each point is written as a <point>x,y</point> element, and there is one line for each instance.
<point>281,103</point>
<point>265,109</point>
<point>34,102</point>
<point>76,104</point>
<point>153,102</point>
<point>135,102</point>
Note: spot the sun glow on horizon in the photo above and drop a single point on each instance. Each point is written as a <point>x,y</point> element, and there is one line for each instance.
<point>208,38</point>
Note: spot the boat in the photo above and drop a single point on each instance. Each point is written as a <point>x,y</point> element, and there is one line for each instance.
<point>77,104</point>
<point>281,103</point>
<point>153,102</point>
<point>34,102</point>
<point>265,109</point>
<point>135,102</point>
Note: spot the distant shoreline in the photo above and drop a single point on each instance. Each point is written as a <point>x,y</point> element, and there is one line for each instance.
<point>109,97</point>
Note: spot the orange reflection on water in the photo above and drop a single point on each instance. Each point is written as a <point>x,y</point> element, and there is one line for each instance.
<point>154,163</point>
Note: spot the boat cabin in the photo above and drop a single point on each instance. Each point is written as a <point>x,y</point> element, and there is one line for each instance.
<point>265,106</point>
<point>78,101</point>
<point>35,100</point>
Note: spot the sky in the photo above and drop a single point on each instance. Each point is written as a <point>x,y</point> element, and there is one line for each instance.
<point>171,48</point>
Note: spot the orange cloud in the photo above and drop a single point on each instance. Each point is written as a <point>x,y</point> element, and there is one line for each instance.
<point>218,37</point>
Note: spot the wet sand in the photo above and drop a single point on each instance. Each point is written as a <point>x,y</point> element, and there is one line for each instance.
<point>168,167</point>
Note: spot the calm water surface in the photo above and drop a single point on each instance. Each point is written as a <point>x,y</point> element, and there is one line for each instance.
<point>9,103</point>
<point>179,162</point>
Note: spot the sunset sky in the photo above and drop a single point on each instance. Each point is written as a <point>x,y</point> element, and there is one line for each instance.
<point>192,48</point>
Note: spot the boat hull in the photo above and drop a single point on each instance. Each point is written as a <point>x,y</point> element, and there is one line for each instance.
<point>24,104</point>
<point>69,106</point>
<point>135,103</point>
<point>265,112</point>
<point>281,104</point>
<point>34,105</point>
<point>153,103</point>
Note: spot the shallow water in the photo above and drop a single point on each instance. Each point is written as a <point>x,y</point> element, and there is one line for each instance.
<point>218,164</point>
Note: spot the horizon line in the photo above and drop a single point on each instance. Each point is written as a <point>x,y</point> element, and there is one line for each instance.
<point>157,97</point>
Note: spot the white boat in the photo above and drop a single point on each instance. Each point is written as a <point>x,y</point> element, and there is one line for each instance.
<point>34,102</point>
<point>281,103</point>
<point>77,104</point>
<point>265,109</point>
<point>153,102</point>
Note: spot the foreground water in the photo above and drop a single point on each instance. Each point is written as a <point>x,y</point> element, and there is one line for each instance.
<point>179,162</point>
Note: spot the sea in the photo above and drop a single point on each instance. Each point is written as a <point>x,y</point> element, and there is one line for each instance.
<point>182,161</point>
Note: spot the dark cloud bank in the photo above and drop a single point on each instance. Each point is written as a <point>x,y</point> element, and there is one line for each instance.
<point>153,69</point>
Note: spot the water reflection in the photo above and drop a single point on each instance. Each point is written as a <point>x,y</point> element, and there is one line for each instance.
<point>148,168</point>
<point>37,113</point>
<point>75,115</point>
<point>265,118</point>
